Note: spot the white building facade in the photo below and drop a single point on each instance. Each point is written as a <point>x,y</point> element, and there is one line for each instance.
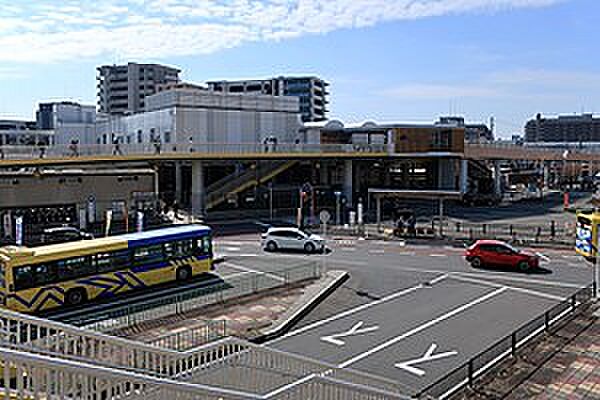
<point>189,115</point>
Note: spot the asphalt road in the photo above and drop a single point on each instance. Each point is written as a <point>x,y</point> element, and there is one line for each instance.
<point>411,314</point>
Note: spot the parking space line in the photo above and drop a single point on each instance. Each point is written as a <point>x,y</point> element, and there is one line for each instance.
<point>353,311</point>
<point>422,327</point>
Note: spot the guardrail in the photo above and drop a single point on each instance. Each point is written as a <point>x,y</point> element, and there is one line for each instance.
<point>550,232</point>
<point>157,149</point>
<point>178,303</point>
<point>509,346</point>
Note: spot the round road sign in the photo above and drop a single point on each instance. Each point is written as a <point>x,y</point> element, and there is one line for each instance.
<point>324,216</point>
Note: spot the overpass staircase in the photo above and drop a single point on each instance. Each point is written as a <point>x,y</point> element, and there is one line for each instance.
<point>218,192</point>
<point>44,359</point>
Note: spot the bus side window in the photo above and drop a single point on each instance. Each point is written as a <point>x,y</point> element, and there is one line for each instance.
<point>148,254</point>
<point>73,268</point>
<point>184,248</point>
<point>170,250</point>
<point>23,277</point>
<point>203,246</point>
<point>44,274</point>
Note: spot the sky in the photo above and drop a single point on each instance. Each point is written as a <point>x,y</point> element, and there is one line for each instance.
<point>386,60</point>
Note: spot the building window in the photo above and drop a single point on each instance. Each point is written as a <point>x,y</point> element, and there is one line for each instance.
<point>167,137</point>
<point>139,136</point>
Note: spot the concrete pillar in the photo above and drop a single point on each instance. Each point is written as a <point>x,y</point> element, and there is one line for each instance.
<point>464,176</point>
<point>178,183</point>
<point>348,182</point>
<point>198,189</point>
<point>497,178</point>
<point>546,176</point>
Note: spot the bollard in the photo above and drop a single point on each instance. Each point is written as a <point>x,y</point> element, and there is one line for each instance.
<point>458,227</point>
<point>484,228</point>
<point>470,233</point>
<point>513,344</point>
<point>471,373</point>
<point>552,229</point>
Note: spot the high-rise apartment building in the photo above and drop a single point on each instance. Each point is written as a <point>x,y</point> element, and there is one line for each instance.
<point>122,89</point>
<point>563,129</point>
<point>311,91</point>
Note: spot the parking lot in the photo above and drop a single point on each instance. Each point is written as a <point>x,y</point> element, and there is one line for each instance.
<point>412,314</point>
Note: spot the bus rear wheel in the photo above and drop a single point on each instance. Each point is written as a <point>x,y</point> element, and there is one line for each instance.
<point>183,273</point>
<point>75,297</point>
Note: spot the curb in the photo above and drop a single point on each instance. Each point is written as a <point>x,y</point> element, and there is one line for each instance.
<point>308,306</point>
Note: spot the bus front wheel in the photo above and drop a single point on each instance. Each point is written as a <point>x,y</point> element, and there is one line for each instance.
<point>184,273</point>
<point>75,297</point>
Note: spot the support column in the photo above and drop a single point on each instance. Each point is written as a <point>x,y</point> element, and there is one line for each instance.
<point>546,176</point>
<point>464,176</point>
<point>178,183</point>
<point>497,178</point>
<point>198,189</point>
<point>348,182</point>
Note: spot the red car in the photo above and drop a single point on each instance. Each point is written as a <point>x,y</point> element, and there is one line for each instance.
<point>495,252</point>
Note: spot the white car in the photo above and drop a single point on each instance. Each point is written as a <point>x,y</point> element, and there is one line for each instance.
<point>291,239</point>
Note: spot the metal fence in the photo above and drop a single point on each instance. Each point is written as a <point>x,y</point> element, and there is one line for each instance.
<point>509,346</point>
<point>239,286</point>
<point>550,232</point>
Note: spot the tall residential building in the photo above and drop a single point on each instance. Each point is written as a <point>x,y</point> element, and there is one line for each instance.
<point>69,121</point>
<point>122,89</point>
<point>311,92</point>
<point>563,129</point>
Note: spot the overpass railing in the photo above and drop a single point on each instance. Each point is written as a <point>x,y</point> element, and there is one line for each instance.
<point>58,361</point>
<point>156,149</point>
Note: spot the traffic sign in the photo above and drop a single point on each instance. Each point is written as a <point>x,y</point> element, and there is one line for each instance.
<point>325,216</point>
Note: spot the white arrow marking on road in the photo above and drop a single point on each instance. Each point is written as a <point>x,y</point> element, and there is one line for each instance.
<point>429,356</point>
<point>355,330</point>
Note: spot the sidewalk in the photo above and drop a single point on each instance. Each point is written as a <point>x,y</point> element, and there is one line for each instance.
<point>564,365</point>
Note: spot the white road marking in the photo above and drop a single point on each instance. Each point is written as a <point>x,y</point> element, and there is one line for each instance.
<point>232,248</point>
<point>350,312</point>
<point>514,289</point>
<point>377,251</point>
<point>428,356</point>
<point>478,275</point>
<point>347,249</point>
<point>355,330</point>
<point>421,328</point>
<point>437,255</point>
<point>246,269</point>
<point>438,279</point>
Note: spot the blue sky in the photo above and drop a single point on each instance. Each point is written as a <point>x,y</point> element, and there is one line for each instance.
<point>402,60</point>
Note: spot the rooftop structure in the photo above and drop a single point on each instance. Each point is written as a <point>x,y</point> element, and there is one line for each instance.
<point>310,90</point>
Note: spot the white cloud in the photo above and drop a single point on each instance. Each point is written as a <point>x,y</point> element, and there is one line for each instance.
<point>64,30</point>
<point>520,84</point>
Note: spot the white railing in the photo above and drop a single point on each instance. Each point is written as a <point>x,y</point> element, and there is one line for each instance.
<point>164,149</point>
<point>27,375</point>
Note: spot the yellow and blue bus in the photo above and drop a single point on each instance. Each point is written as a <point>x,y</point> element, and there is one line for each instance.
<point>35,279</point>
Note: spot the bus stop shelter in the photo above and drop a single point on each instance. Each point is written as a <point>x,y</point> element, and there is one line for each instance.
<point>439,195</point>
